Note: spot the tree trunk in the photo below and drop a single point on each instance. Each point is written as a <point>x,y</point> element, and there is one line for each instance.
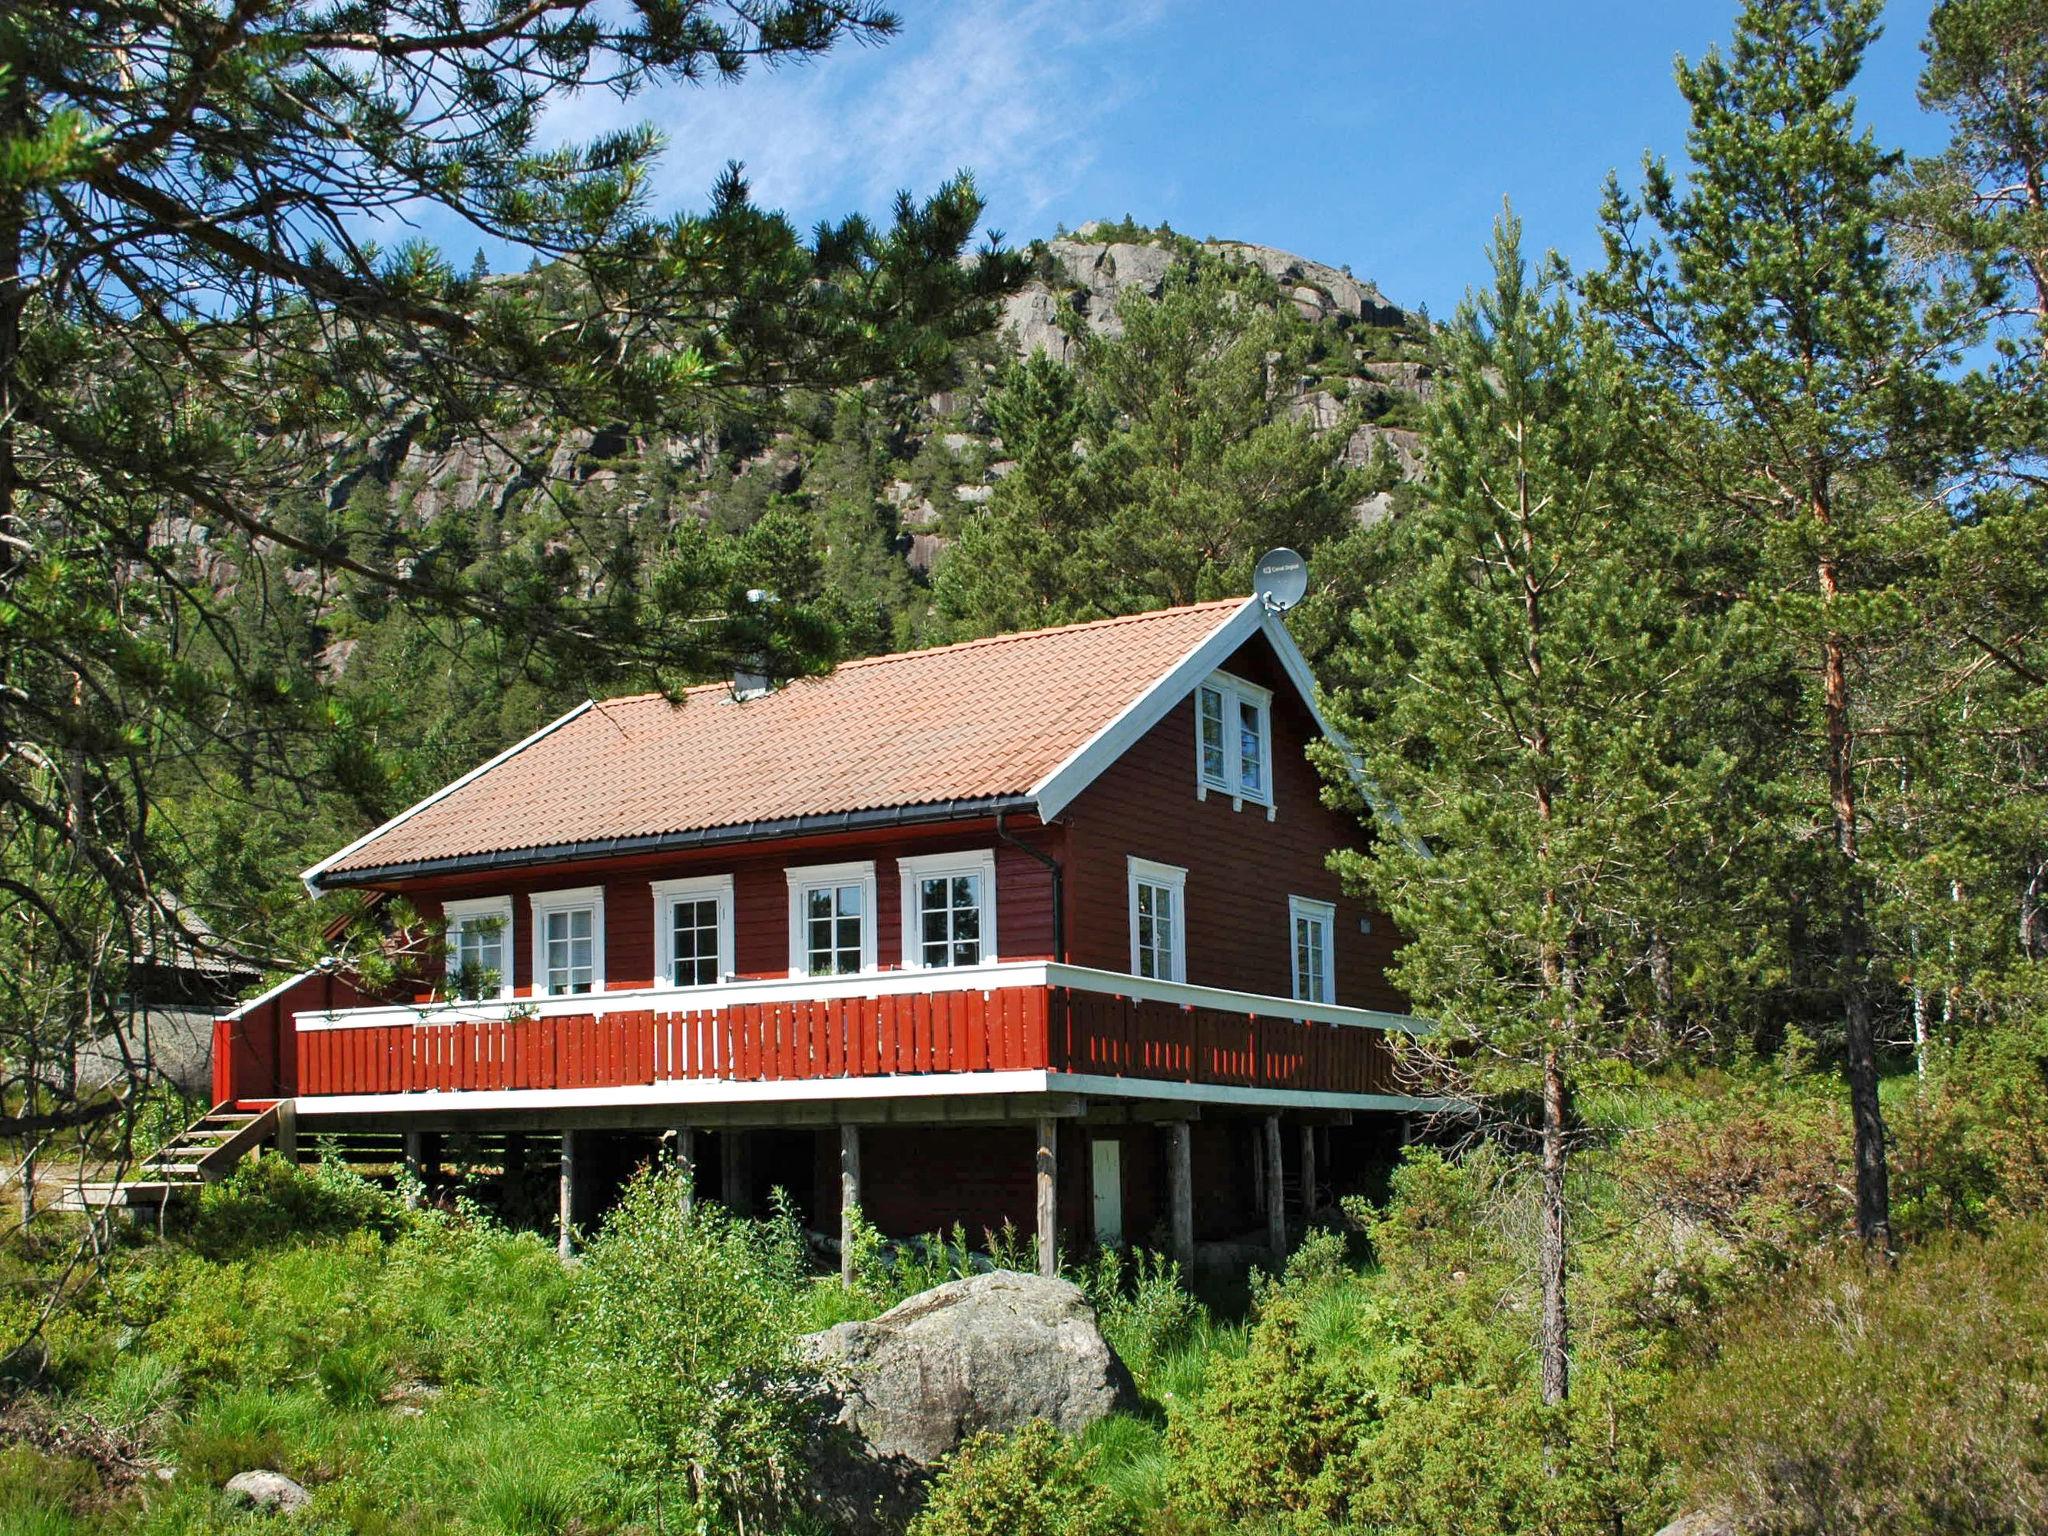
<point>1873,1184</point>
<point>1556,1336</point>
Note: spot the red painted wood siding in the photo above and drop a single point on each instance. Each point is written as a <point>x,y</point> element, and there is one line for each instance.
<point>255,1056</point>
<point>761,903</point>
<point>1241,867</point>
<point>1005,1029</point>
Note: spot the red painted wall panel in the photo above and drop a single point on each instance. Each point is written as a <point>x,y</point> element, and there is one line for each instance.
<point>761,902</point>
<point>1241,867</point>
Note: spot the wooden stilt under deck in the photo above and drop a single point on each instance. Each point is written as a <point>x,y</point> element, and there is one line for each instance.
<point>733,1178</point>
<point>1180,1179</point>
<point>1276,1193</point>
<point>1048,1196</point>
<point>565,1219</point>
<point>415,1166</point>
<point>849,1198</point>
<point>1308,1170</point>
<point>686,1161</point>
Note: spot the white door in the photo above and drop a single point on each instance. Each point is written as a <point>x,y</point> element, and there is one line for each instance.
<point>1108,1184</point>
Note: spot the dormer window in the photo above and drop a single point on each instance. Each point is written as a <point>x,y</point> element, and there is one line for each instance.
<point>1234,740</point>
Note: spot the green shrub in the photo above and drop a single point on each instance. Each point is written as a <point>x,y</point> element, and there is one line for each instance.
<point>41,1494</point>
<point>1035,1483</point>
<point>1880,1401</point>
<point>1145,1311</point>
<point>267,1202</point>
<point>685,1322</point>
<point>1272,1429</point>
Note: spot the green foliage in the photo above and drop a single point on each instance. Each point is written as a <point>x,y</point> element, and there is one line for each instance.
<point>683,1320</point>
<point>1143,1306</point>
<point>1190,462</point>
<point>1880,1400</point>
<point>1035,1483</point>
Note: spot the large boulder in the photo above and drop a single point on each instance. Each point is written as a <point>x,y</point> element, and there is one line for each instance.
<point>992,1352</point>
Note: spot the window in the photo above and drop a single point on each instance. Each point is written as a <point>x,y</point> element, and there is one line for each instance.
<point>1158,921</point>
<point>949,908</point>
<point>568,941</point>
<point>693,931</point>
<point>479,948</point>
<point>831,919</point>
<point>1313,925</point>
<point>1234,740</point>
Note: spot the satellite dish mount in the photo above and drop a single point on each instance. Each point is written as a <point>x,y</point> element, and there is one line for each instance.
<point>1279,579</point>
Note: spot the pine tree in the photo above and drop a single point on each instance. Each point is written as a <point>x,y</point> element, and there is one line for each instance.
<point>1801,403</point>
<point>192,313</point>
<point>1520,687</point>
<point>1157,468</point>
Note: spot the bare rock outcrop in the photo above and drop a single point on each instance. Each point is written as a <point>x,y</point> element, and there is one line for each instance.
<point>991,1352</point>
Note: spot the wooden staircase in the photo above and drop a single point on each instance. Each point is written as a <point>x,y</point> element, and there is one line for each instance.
<point>199,1155</point>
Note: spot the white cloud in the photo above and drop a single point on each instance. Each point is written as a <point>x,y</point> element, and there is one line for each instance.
<point>1010,89</point>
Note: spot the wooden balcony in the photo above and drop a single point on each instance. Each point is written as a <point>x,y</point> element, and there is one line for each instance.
<point>993,1028</point>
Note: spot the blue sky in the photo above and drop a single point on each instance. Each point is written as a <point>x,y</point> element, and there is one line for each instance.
<point>1377,135</point>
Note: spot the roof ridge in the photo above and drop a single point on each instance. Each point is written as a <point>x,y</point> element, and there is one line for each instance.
<point>1008,637</point>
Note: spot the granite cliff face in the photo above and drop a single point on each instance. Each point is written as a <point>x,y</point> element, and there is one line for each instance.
<point>939,452</point>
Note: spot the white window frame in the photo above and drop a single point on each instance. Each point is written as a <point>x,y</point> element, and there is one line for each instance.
<point>544,902</point>
<point>810,877</point>
<point>1235,693</point>
<point>1306,909</point>
<point>690,888</point>
<point>1172,876</point>
<point>929,866</point>
<point>456,915</point>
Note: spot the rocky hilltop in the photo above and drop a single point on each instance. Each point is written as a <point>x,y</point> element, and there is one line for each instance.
<point>924,457</point>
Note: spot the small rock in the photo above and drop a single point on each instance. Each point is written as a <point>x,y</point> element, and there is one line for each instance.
<point>1701,1522</point>
<point>267,1490</point>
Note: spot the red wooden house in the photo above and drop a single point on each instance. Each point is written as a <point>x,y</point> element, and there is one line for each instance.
<point>1036,928</point>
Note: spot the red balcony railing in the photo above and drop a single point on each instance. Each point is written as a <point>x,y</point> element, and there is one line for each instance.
<point>996,1018</point>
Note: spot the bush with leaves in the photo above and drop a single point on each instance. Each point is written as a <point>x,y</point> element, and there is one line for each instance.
<point>1889,1401</point>
<point>1035,1483</point>
<point>1273,1429</point>
<point>683,1316</point>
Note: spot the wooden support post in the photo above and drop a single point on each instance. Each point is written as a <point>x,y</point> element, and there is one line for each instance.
<point>849,1198</point>
<point>1048,1197</point>
<point>732,1172</point>
<point>1308,1171</point>
<point>415,1167</point>
<point>1276,1193</point>
<point>565,1217</point>
<point>288,1131</point>
<point>686,1164</point>
<point>1180,1179</point>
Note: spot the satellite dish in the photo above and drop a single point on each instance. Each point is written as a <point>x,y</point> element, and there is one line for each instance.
<point>1279,579</point>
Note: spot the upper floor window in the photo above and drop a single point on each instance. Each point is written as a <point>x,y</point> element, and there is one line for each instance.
<point>949,908</point>
<point>832,919</point>
<point>479,948</point>
<point>1314,928</point>
<point>568,941</point>
<point>1234,739</point>
<point>1158,920</point>
<point>693,942</point>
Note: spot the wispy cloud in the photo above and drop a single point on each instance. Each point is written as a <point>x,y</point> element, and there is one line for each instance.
<point>1014,90</point>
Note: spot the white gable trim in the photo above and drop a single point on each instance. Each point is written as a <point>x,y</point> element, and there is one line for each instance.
<point>1081,767</point>
<point>311,877</point>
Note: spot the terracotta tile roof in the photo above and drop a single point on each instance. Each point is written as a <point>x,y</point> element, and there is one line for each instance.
<point>984,718</point>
